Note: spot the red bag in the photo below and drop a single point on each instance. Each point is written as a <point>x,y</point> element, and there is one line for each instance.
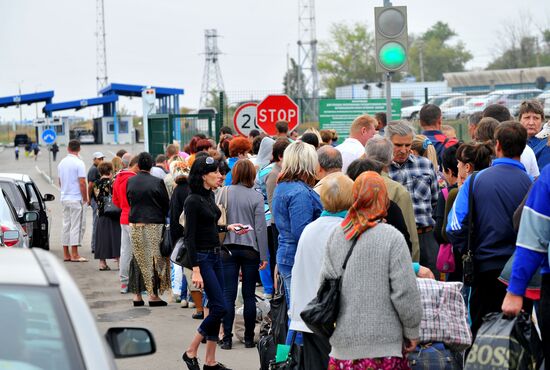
<point>445,258</point>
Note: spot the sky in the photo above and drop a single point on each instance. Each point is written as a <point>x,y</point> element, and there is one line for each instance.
<point>51,45</point>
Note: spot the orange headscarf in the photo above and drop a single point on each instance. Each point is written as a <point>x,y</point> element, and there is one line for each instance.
<point>370,206</point>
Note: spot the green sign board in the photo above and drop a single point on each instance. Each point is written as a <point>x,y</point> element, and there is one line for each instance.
<point>338,114</point>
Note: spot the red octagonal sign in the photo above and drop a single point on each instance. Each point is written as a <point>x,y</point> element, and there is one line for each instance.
<point>276,108</point>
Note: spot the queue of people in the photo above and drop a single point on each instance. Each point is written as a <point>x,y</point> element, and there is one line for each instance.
<point>253,208</point>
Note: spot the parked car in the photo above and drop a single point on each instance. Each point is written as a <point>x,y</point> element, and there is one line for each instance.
<point>543,96</point>
<point>46,323</point>
<point>454,108</point>
<point>412,111</point>
<point>21,140</point>
<point>35,202</point>
<point>547,108</point>
<point>19,202</point>
<point>13,233</point>
<point>86,138</point>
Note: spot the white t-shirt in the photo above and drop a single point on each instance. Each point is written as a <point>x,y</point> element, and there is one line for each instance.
<point>70,170</point>
<point>158,172</point>
<point>351,150</point>
<point>529,160</point>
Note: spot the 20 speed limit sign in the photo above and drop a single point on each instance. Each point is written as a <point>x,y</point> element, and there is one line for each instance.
<point>244,119</point>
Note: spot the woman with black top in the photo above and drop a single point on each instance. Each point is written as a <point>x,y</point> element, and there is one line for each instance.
<point>201,236</point>
<point>149,206</point>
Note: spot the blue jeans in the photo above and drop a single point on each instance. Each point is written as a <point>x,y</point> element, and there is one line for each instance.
<point>286,273</point>
<point>267,278</point>
<point>211,267</point>
<point>247,260</point>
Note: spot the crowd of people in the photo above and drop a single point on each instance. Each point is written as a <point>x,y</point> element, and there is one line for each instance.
<point>253,208</point>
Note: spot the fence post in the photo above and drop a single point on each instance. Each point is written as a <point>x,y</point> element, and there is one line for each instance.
<point>221,114</point>
<point>425,95</point>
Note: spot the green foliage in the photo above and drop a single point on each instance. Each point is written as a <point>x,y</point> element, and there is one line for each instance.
<point>348,57</point>
<point>522,49</point>
<point>439,56</point>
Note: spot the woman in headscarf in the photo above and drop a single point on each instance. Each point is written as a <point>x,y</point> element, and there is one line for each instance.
<point>264,154</point>
<point>379,319</point>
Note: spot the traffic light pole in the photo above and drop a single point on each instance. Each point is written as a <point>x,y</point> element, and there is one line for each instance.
<point>388,96</point>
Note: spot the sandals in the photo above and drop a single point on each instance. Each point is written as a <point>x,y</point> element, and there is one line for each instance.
<point>104,268</point>
<point>79,259</point>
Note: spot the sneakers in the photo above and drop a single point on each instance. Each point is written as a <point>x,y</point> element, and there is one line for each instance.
<point>184,303</point>
<point>192,363</point>
<point>123,288</point>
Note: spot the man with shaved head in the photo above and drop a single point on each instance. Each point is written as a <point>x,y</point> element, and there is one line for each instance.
<point>330,161</point>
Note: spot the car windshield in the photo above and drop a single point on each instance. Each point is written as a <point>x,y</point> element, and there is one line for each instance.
<point>438,100</point>
<point>5,211</point>
<point>15,196</point>
<point>36,332</point>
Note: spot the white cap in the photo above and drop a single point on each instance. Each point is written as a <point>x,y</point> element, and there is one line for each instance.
<point>97,155</point>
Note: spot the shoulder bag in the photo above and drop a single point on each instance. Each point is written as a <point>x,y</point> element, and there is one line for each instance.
<point>221,202</point>
<point>180,252</point>
<point>109,209</point>
<point>321,313</point>
<point>166,242</point>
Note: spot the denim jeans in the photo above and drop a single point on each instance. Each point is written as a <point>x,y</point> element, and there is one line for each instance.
<point>247,260</point>
<point>286,273</point>
<point>211,268</point>
<point>267,278</point>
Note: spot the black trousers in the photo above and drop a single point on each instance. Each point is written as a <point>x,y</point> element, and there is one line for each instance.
<point>316,351</point>
<point>544,318</point>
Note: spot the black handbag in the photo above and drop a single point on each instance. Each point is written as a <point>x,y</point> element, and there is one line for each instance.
<point>109,209</point>
<point>279,313</point>
<point>468,257</point>
<point>166,242</point>
<point>180,254</point>
<point>294,361</point>
<point>321,313</point>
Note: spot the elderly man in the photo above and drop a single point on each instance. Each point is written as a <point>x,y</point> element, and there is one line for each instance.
<point>330,161</point>
<point>380,149</point>
<point>361,130</point>
<point>126,158</point>
<point>531,116</point>
<point>417,175</point>
<point>430,121</point>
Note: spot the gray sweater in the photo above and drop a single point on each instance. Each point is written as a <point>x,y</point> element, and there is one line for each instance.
<point>380,302</point>
<point>246,206</point>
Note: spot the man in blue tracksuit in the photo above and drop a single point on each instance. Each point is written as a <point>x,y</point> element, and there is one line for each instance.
<point>532,251</point>
<point>497,192</point>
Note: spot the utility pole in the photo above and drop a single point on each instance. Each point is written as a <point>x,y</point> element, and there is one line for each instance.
<point>307,59</point>
<point>212,77</point>
<point>101,48</point>
<point>387,3</point>
<point>421,55</point>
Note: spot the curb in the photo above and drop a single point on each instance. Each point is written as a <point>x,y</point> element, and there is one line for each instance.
<point>44,175</point>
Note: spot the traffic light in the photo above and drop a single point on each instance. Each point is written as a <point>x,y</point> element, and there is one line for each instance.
<point>391,38</point>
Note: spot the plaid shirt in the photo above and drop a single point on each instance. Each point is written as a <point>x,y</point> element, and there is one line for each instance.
<point>417,175</point>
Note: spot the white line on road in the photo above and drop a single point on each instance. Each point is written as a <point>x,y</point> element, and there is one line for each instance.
<point>48,179</point>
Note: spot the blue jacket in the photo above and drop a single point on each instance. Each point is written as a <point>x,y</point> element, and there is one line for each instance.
<point>498,191</point>
<point>231,163</point>
<point>533,236</point>
<point>295,205</point>
<point>541,149</point>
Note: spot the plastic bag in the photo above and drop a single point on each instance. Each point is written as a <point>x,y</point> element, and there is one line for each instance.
<point>504,343</point>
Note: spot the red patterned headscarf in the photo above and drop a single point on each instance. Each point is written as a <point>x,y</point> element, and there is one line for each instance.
<point>370,206</point>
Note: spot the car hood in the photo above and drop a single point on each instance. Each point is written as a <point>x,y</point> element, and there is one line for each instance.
<point>412,108</point>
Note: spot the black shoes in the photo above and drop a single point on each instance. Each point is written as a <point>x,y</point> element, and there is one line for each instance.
<point>138,303</point>
<point>227,343</point>
<point>198,315</point>
<point>218,366</point>
<point>249,344</point>
<point>157,304</point>
<point>192,363</point>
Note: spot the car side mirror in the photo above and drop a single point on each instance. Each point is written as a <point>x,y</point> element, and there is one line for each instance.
<point>130,342</point>
<point>49,198</point>
<point>31,216</point>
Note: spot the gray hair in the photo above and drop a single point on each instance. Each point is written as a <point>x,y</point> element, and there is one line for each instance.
<point>400,128</point>
<point>126,158</point>
<point>380,149</point>
<point>329,158</point>
<point>474,118</point>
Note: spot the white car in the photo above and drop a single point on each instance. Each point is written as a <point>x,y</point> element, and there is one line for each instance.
<point>46,323</point>
<point>454,108</point>
<point>13,226</point>
<point>547,108</point>
<point>86,138</point>
<point>412,111</point>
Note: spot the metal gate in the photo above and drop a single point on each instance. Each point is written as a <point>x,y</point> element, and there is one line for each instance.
<point>164,129</point>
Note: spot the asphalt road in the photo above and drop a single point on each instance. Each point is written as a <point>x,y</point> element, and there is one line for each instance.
<point>171,326</point>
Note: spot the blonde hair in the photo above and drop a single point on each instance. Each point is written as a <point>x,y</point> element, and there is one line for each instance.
<point>425,148</point>
<point>299,163</point>
<point>449,131</point>
<point>337,192</point>
<point>363,120</point>
<point>117,164</point>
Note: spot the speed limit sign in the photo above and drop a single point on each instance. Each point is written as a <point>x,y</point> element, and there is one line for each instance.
<point>244,119</point>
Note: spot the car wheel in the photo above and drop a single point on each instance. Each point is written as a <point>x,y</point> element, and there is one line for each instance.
<point>458,116</point>
<point>414,115</point>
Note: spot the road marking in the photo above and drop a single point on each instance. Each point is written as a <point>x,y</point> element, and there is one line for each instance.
<point>48,179</point>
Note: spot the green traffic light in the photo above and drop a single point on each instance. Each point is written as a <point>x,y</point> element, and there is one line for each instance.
<point>392,55</point>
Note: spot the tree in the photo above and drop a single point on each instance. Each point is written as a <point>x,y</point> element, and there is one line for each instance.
<point>347,58</point>
<point>438,55</point>
<point>292,81</point>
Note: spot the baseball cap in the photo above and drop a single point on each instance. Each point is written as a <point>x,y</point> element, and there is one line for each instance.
<point>97,155</point>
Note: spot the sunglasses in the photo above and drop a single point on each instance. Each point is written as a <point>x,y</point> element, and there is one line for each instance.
<point>209,160</point>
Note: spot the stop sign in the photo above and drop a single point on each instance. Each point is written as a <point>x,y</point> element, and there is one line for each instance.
<point>276,108</point>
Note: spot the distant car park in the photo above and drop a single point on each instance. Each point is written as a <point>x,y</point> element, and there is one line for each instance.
<point>454,108</point>
<point>412,111</point>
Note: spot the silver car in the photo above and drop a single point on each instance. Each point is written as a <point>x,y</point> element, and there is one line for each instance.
<point>46,323</point>
<point>11,224</point>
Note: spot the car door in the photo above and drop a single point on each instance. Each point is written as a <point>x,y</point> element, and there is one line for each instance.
<point>41,227</point>
<point>19,201</point>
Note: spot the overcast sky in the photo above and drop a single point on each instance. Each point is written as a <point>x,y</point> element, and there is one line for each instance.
<point>51,44</point>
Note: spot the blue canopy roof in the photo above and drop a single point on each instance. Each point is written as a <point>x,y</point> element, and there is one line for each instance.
<point>44,96</point>
<point>135,90</point>
<point>79,104</point>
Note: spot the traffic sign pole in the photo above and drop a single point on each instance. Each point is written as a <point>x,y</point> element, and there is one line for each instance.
<point>388,96</point>
<point>50,162</point>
